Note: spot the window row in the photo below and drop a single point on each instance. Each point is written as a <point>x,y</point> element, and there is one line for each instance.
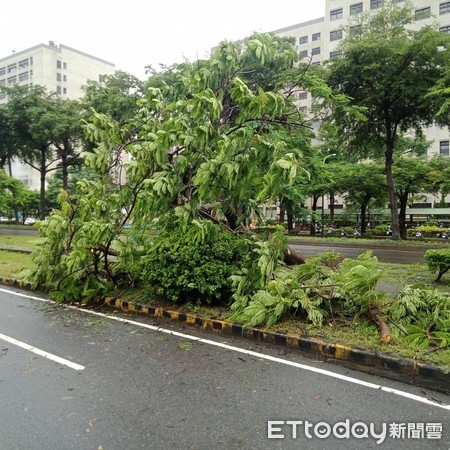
<point>422,13</point>
<point>356,8</point>
<point>444,148</point>
<point>60,64</point>
<point>304,39</point>
<point>337,35</point>
<point>11,81</point>
<point>316,51</point>
<point>60,77</point>
<point>12,68</point>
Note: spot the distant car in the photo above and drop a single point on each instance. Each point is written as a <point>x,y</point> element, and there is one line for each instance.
<point>4,219</point>
<point>30,221</point>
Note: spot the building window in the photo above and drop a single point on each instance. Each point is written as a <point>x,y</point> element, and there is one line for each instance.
<point>336,54</point>
<point>303,40</point>
<point>23,64</point>
<point>31,60</point>
<point>375,4</point>
<point>444,148</point>
<point>2,71</point>
<point>316,63</point>
<point>335,35</point>
<point>64,91</point>
<point>422,13</point>
<point>316,37</point>
<point>336,14</point>
<point>445,29</point>
<point>58,89</point>
<point>303,54</point>
<point>12,81</point>
<point>302,109</point>
<point>355,30</point>
<point>58,64</point>
<point>64,77</point>
<point>64,65</point>
<point>398,1</point>
<point>444,8</point>
<point>23,76</point>
<point>58,77</point>
<point>12,68</point>
<point>303,95</point>
<point>356,9</point>
<point>316,51</point>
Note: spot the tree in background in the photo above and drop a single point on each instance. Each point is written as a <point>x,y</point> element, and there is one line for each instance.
<point>15,198</point>
<point>361,185</point>
<point>46,130</point>
<point>388,68</point>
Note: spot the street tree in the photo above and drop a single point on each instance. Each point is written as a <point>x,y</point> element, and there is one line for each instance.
<point>46,130</point>
<point>362,185</point>
<point>202,154</point>
<point>388,68</point>
<point>115,95</point>
<point>413,176</point>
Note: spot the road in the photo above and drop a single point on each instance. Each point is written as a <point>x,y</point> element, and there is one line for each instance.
<point>122,385</point>
<point>406,255</point>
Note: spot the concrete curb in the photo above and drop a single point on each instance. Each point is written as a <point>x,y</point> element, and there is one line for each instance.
<point>417,373</point>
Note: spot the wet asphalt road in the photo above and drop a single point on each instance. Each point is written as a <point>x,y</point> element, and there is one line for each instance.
<point>146,389</point>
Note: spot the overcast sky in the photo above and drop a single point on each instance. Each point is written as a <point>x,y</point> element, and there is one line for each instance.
<point>135,33</point>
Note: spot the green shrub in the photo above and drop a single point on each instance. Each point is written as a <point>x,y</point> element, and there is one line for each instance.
<point>294,232</point>
<point>426,231</point>
<point>380,230</point>
<point>438,260</point>
<point>183,270</point>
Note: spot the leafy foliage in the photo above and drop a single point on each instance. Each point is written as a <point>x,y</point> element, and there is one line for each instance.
<point>205,143</point>
<point>183,268</point>
<point>438,261</point>
<point>425,316</point>
<point>315,290</point>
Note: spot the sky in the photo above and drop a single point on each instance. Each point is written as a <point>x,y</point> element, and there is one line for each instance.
<point>133,34</point>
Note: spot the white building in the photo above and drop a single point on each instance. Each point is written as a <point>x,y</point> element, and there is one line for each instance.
<point>60,69</point>
<point>319,40</point>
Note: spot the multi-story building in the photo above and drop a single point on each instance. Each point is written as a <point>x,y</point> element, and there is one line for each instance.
<point>319,40</point>
<point>60,69</point>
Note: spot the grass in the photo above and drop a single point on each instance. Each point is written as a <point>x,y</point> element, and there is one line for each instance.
<point>12,264</point>
<point>17,242</point>
<point>356,333</point>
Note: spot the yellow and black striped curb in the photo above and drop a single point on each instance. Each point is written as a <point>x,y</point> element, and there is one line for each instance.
<point>406,370</point>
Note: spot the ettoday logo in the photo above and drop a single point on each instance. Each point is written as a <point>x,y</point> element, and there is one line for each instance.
<point>296,429</point>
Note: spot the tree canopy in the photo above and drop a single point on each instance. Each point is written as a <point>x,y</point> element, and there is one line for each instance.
<point>205,149</point>
<point>388,68</point>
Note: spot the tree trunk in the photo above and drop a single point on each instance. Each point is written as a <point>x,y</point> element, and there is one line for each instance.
<point>282,215</point>
<point>363,218</point>
<point>65,169</point>
<point>312,228</point>
<point>392,190</point>
<point>292,258</point>
<point>402,215</point>
<point>385,332</point>
<point>331,207</point>
<point>43,173</point>
<point>290,221</point>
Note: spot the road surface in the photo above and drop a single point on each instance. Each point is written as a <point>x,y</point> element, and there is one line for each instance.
<point>70,379</point>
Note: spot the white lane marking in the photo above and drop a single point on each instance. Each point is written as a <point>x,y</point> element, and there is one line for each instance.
<point>328,373</point>
<point>40,352</point>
